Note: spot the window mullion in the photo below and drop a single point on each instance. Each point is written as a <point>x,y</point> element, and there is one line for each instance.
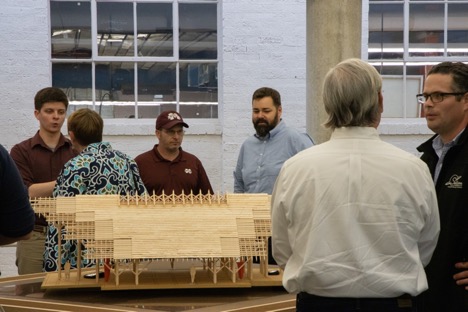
<point>445,29</point>
<point>135,53</point>
<point>94,50</point>
<point>405,31</point>
<point>175,28</point>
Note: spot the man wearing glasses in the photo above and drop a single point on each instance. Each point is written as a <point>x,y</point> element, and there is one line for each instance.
<point>167,168</point>
<point>445,101</point>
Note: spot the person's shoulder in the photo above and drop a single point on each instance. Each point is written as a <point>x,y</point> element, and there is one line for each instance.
<point>119,153</point>
<point>106,151</point>
<point>3,150</point>
<point>4,157</point>
<point>189,156</point>
<point>286,129</point>
<point>463,140</point>
<point>291,131</point>
<point>22,150</point>
<point>250,139</point>
<point>144,156</point>
<point>25,144</point>
<point>396,153</point>
<point>125,156</point>
<point>294,136</point>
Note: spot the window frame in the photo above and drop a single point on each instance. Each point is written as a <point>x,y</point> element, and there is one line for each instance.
<point>407,60</point>
<point>96,59</point>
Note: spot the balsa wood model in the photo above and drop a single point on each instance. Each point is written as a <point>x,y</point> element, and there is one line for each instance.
<point>212,238</point>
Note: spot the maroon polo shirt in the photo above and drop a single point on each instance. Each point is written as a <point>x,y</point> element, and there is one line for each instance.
<point>185,173</point>
<point>37,163</point>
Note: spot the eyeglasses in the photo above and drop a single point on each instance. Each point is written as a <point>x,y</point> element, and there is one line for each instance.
<point>174,132</point>
<point>436,97</point>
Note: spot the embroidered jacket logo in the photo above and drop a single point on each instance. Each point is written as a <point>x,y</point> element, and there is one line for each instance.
<point>188,170</point>
<point>455,182</point>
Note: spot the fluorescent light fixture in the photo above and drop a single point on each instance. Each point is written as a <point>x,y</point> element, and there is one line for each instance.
<point>62,32</point>
<point>376,63</point>
<point>385,50</point>
<point>417,50</point>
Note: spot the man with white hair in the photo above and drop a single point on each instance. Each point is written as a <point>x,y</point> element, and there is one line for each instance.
<point>354,219</point>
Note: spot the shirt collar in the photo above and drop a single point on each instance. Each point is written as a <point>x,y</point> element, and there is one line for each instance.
<point>97,146</point>
<point>355,132</point>
<point>37,140</point>
<point>160,158</point>
<point>438,145</point>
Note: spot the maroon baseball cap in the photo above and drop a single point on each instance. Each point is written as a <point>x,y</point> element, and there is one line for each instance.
<point>168,119</point>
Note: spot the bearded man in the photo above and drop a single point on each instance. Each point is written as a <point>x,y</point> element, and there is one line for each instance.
<point>263,154</point>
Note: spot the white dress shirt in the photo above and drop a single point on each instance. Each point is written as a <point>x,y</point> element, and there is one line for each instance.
<point>354,217</point>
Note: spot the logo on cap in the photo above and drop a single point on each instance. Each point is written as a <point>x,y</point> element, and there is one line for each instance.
<point>169,119</point>
<point>172,116</point>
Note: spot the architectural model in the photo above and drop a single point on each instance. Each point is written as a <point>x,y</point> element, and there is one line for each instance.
<point>215,235</point>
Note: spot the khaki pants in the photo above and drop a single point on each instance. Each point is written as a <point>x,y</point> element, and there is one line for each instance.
<point>30,254</point>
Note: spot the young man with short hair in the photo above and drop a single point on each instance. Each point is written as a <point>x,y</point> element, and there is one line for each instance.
<point>40,160</point>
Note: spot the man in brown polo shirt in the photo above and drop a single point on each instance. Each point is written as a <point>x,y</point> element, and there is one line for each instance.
<point>167,167</point>
<point>40,160</point>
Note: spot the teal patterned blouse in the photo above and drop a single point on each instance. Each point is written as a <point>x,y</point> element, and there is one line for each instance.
<point>98,169</point>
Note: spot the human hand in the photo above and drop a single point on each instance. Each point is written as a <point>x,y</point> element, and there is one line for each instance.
<point>461,278</point>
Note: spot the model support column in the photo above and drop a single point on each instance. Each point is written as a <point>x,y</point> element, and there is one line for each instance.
<point>333,35</point>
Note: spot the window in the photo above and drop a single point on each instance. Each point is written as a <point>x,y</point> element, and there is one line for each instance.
<point>134,59</point>
<point>406,38</point>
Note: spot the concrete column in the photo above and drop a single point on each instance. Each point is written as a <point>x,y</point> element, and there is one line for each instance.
<point>333,35</point>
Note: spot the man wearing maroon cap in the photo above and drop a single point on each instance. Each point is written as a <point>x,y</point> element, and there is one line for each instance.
<point>167,168</point>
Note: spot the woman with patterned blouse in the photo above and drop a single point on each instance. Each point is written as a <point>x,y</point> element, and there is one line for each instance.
<point>98,169</point>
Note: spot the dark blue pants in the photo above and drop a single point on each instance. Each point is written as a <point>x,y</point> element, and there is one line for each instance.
<point>310,303</point>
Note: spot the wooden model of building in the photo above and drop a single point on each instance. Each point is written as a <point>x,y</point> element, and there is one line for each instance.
<point>125,233</point>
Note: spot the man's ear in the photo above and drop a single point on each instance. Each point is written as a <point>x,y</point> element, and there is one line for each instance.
<point>380,102</point>
<point>465,102</point>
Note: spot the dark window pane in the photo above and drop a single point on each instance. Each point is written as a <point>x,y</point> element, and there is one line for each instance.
<point>70,29</point>
<point>386,31</point>
<point>197,31</point>
<point>115,29</point>
<point>114,81</point>
<point>115,86</point>
<point>155,29</point>
<point>156,87</point>
<point>426,30</point>
<point>75,79</point>
<point>457,32</point>
<point>199,90</point>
